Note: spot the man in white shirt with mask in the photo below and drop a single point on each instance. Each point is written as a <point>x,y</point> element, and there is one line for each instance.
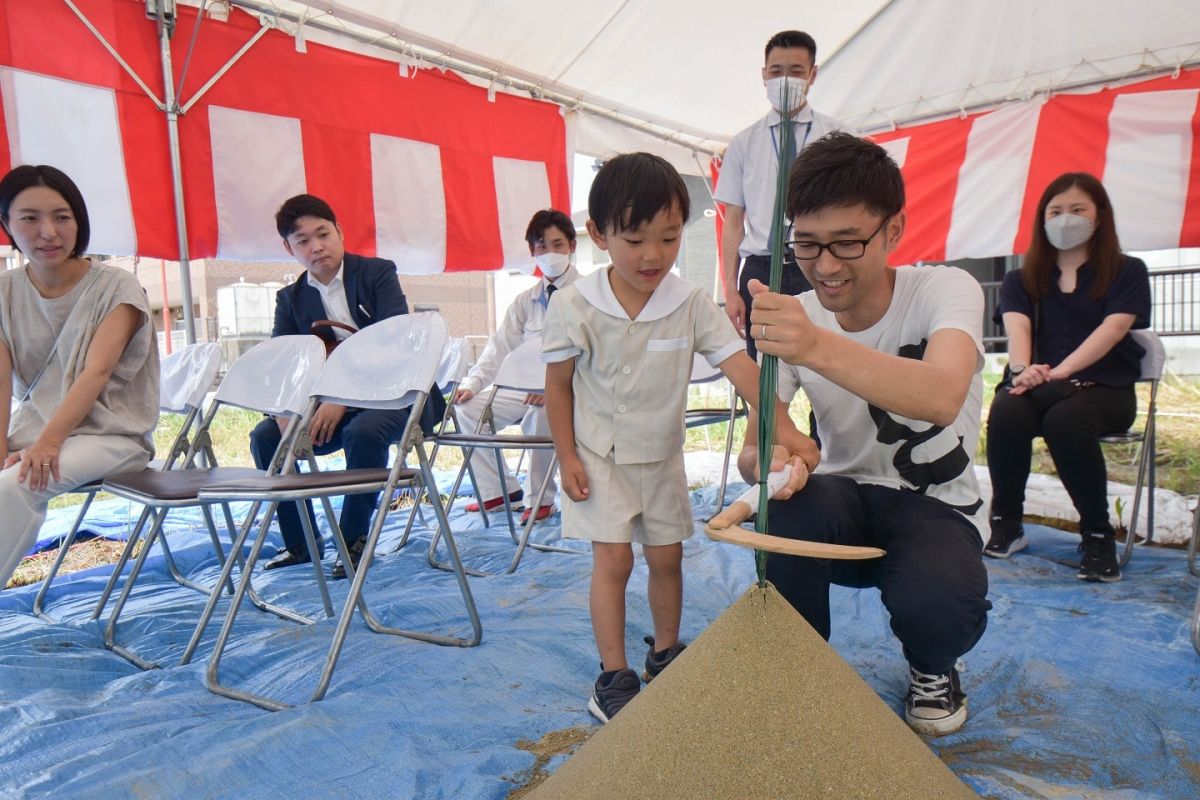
<point>551,239</point>
<point>749,169</point>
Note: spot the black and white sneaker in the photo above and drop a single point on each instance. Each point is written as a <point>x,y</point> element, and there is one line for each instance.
<point>657,661</point>
<point>1008,536</point>
<point>1098,558</point>
<point>936,704</point>
<point>612,691</point>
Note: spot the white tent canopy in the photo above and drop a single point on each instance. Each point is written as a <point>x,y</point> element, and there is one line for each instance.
<point>688,72</point>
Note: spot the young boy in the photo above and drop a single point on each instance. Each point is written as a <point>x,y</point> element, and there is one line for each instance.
<point>618,346</point>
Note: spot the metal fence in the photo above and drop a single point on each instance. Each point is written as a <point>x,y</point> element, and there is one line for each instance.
<point>1174,305</point>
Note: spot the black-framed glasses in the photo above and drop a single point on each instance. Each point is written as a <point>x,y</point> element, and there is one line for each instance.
<point>844,249</point>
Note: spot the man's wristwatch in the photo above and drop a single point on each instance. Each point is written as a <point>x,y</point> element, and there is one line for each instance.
<point>1017,370</point>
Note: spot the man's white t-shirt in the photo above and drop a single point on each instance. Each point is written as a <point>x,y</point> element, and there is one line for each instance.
<point>872,446</point>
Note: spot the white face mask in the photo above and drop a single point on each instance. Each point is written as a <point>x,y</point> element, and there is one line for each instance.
<point>553,264</point>
<point>1068,231</point>
<point>797,90</point>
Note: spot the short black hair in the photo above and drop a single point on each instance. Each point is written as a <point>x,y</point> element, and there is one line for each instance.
<point>302,205</point>
<point>25,176</point>
<point>549,218</point>
<point>632,188</point>
<point>841,170</point>
<point>789,39</point>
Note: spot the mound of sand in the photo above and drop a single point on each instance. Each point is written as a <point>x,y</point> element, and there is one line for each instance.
<point>759,706</point>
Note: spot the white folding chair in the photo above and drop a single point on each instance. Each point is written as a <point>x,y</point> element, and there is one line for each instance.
<point>702,373</point>
<point>1153,363</point>
<point>274,377</point>
<point>390,364</point>
<point>521,371</point>
<point>450,372</point>
<point>184,379</point>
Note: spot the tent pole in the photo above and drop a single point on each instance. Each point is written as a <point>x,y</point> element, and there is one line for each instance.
<point>172,110</point>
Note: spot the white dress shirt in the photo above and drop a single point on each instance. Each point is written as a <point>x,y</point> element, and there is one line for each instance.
<point>751,164</point>
<point>333,297</point>
<point>523,321</point>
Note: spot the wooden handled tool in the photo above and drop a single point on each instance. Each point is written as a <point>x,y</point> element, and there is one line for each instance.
<point>725,527</point>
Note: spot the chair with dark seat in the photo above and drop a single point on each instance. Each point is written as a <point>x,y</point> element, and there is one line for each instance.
<point>522,371</point>
<point>274,377</point>
<point>388,365</point>
<point>184,379</point>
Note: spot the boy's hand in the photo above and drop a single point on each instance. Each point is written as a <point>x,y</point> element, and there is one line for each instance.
<point>574,479</point>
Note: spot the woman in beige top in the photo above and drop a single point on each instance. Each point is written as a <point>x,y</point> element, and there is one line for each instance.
<point>77,354</point>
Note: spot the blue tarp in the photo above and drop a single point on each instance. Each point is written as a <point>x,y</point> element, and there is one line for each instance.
<point>1077,690</point>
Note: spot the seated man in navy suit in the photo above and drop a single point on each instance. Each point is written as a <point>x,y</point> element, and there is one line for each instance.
<point>356,291</point>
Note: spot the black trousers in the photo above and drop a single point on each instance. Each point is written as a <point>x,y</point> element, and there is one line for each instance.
<point>932,580</point>
<point>759,267</point>
<point>1071,427</point>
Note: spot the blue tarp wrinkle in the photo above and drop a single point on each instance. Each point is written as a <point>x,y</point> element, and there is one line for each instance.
<point>1077,690</point>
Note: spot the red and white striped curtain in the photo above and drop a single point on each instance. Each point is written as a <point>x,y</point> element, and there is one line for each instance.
<point>973,184</point>
<point>420,166</point>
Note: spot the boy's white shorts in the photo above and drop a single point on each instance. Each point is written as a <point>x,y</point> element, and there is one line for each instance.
<point>644,503</point>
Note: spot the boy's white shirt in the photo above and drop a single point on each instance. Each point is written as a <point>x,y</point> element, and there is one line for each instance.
<point>639,376</point>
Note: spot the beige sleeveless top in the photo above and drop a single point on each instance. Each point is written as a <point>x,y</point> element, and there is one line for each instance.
<point>29,326</point>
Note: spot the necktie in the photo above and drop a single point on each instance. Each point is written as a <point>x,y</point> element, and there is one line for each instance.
<point>788,149</point>
<point>550,289</point>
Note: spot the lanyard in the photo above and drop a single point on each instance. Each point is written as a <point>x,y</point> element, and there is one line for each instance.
<point>803,143</point>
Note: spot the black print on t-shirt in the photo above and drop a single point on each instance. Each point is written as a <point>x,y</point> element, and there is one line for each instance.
<point>923,475</point>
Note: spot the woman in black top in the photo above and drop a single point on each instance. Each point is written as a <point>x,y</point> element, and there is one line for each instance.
<point>1072,365</point>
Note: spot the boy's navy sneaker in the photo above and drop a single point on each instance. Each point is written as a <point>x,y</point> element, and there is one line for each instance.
<point>1098,558</point>
<point>612,691</point>
<point>657,661</point>
<point>935,704</point>
<point>1008,536</point>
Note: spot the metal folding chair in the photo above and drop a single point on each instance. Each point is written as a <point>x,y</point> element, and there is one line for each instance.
<point>1153,363</point>
<point>702,373</point>
<point>274,377</point>
<point>522,371</point>
<point>184,379</point>
<point>1192,569</point>
<point>1192,545</point>
<point>390,364</point>
<point>450,372</point>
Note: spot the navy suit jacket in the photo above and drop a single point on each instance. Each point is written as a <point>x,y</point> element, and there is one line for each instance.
<point>372,293</point>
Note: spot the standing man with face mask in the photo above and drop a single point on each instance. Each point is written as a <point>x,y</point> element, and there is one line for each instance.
<point>749,170</point>
<point>551,239</point>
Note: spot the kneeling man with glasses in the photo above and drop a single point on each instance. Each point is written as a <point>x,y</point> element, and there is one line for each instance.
<point>890,360</point>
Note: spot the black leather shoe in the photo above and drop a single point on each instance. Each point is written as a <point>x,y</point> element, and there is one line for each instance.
<point>286,558</point>
<point>356,551</point>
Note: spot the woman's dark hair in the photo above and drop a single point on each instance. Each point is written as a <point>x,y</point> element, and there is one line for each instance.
<point>632,188</point>
<point>23,177</point>
<point>839,171</point>
<point>302,205</point>
<point>549,218</point>
<point>1104,249</point>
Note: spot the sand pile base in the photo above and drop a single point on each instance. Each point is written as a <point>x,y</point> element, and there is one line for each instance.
<point>759,706</point>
